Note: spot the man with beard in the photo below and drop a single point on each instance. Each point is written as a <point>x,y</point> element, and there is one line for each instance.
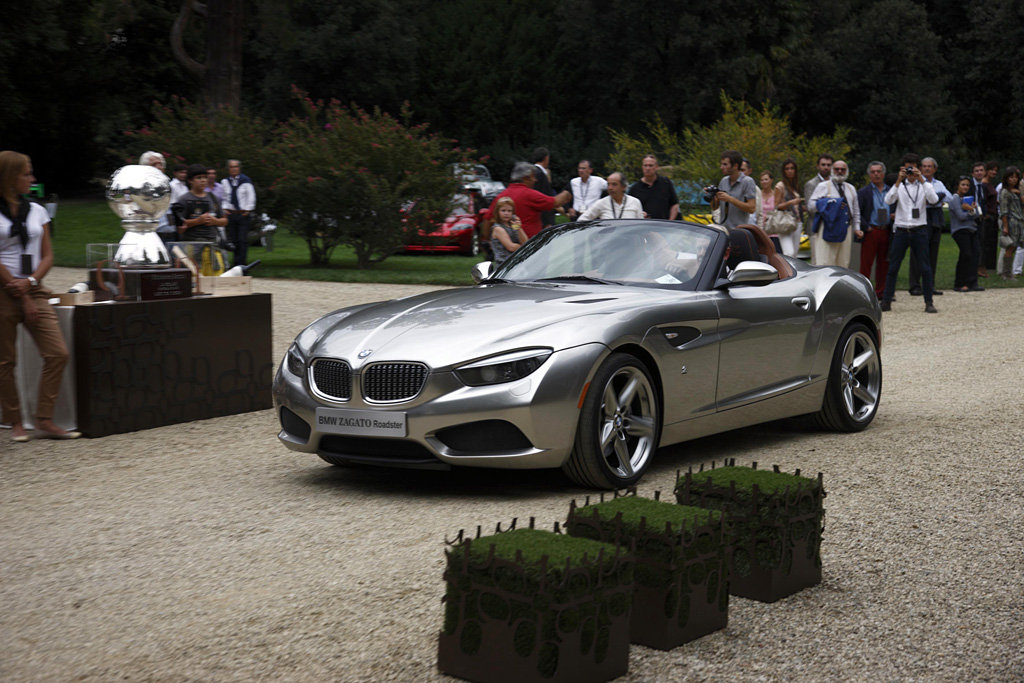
<point>824,174</point>
<point>833,251</point>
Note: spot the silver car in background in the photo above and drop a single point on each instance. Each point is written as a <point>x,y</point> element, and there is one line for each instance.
<point>592,346</point>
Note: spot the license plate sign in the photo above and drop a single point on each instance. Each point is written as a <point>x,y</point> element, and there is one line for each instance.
<point>360,422</point>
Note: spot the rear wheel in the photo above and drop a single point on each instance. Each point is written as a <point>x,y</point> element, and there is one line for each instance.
<point>618,428</point>
<point>854,382</point>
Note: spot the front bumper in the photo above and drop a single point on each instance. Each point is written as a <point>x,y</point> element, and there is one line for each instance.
<point>525,424</point>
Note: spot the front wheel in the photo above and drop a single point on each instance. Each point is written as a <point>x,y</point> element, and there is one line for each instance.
<point>618,428</point>
<point>854,382</point>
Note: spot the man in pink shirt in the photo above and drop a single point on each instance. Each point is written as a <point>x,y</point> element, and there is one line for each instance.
<point>529,202</point>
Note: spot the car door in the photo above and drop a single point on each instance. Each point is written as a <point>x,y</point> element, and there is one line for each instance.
<point>768,340</point>
<point>686,345</point>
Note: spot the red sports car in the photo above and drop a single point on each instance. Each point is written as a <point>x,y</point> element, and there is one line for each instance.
<point>459,233</point>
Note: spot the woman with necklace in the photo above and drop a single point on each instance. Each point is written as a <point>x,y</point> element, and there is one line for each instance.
<point>25,258</point>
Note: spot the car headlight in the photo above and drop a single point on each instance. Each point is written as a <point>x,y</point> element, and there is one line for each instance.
<point>295,362</point>
<point>507,367</point>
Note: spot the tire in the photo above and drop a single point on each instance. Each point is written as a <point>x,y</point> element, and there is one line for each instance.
<point>474,246</point>
<point>854,387</point>
<point>617,434</point>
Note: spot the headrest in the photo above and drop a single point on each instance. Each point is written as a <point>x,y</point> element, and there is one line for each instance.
<point>742,247</point>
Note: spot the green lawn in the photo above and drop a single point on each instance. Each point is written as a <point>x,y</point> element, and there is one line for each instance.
<point>79,223</point>
<point>82,222</point>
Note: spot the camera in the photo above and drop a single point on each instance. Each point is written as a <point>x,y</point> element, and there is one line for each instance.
<point>909,170</point>
<point>709,192</point>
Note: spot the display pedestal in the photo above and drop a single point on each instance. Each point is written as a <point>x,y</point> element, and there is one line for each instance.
<point>146,364</point>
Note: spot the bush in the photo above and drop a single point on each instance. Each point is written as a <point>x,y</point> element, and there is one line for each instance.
<point>763,136</point>
<point>346,177</point>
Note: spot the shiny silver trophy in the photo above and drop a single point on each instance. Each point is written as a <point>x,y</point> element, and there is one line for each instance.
<point>140,195</point>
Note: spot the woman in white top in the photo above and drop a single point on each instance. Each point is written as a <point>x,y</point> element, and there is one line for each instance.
<point>25,257</point>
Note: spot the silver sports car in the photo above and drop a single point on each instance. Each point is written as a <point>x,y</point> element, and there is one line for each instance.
<point>593,345</point>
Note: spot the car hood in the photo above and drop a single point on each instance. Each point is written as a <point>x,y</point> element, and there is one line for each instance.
<point>450,327</point>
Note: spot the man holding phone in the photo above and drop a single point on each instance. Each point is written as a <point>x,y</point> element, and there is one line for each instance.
<point>911,195</point>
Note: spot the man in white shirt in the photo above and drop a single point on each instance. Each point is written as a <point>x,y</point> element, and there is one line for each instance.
<point>585,190</point>
<point>825,252</point>
<point>617,204</point>
<point>936,221</point>
<point>239,203</point>
<point>911,194</point>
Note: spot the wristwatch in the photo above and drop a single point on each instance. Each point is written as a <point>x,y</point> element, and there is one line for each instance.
<point>32,281</point>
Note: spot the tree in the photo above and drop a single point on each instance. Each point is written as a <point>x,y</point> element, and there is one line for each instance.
<point>348,177</point>
<point>763,136</point>
<point>222,71</point>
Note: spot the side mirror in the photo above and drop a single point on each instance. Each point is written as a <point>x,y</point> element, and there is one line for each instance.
<point>750,273</point>
<point>482,271</point>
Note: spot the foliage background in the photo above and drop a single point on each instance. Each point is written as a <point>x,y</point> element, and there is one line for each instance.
<point>503,76</point>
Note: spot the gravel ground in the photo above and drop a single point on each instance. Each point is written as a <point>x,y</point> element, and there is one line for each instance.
<point>208,552</point>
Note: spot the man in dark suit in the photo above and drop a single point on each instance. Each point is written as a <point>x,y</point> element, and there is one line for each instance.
<point>988,224</point>
<point>875,226</point>
<point>541,161</point>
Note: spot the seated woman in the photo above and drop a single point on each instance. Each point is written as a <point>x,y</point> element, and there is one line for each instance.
<point>507,232</point>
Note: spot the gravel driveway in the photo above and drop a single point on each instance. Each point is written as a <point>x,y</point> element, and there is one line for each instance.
<point>208,552</point>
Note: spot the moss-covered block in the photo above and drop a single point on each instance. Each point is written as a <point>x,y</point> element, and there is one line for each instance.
<point>529,605</point>
<point>774,523</point>
<point>681,590</point>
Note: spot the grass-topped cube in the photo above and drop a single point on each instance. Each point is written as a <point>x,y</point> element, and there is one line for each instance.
<point>681,588</point>
<point>531,605</point>
<point>773,522</point>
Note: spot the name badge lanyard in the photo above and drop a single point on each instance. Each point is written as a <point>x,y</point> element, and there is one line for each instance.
<point>915,212</point>
<point>584,189</point>
<point>623,211</point>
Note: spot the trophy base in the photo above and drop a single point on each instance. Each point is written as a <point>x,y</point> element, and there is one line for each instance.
<point>142,250</point>
<point>140,284</point>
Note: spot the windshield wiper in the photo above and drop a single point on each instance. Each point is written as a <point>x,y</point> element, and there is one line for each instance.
<point>580,278</point>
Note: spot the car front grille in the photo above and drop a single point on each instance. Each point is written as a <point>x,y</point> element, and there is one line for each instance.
<point>332,378</point>
<point>393,381</point>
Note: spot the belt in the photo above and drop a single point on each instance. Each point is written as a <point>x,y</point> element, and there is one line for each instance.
<point>910,227</point>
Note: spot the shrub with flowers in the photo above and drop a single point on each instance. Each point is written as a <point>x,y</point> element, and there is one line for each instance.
<point>345,177</point>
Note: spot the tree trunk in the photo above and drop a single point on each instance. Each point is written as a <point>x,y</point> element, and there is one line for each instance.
<point>223,84</point>
<point>222,72</point>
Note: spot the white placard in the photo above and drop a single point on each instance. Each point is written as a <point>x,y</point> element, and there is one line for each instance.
<point>360,422</point>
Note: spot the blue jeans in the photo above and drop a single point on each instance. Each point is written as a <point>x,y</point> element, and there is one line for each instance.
<point>917,240</point>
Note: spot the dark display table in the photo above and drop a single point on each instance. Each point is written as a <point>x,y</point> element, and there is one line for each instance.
<point>146,364</point>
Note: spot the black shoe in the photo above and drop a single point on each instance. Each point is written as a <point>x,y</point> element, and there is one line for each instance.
<point>916,291</point>
<point>975,288</point>
<point>886,306</point>
<point>928,308</point>
<point>937,292</point>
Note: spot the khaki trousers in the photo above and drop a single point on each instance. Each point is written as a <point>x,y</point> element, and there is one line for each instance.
<point>47,335</point>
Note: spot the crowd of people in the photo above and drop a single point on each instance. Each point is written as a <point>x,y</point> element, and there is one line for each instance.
<point>892,213</point>
<point>204,209</point>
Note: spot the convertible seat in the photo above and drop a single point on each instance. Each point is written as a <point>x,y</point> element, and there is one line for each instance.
<point>742,247</point>
<point>766,248</point>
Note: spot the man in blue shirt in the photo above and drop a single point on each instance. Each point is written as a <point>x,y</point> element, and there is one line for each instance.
<point>875,226</point>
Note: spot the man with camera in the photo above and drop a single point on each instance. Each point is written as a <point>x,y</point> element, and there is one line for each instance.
<point>936,221</point>
<point>736,193</point>
<point>911,195</point>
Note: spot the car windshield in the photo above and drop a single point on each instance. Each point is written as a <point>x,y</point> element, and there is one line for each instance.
<point>665,254</point>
